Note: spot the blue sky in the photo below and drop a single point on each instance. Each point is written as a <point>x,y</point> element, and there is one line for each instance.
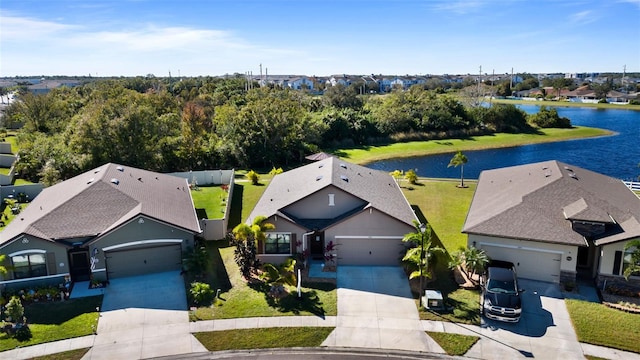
<point>309,37</point>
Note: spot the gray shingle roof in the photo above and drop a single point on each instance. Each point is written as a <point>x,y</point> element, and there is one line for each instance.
<point>102,199</point>
<point>538,201</point>
<point>373,186</point>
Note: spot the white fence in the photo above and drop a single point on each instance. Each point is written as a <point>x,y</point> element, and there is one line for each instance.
<point>634,186</point>
<point>212,229</point>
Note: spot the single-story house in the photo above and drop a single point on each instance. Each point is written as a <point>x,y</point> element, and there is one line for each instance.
<point>113,221</point>
<point>554,221</point>
<point>361,210</point>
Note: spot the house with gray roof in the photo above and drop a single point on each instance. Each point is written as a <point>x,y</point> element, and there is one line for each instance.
<point>554,221</point>
<point>362,211</point>
<point>112,221</point>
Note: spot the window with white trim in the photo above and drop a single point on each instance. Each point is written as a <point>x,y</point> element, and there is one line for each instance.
<point>277,243</point>
<point>29,265</point>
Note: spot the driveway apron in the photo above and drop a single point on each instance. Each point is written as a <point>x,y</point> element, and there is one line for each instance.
<point>376,310</point>
<point>143,317</point>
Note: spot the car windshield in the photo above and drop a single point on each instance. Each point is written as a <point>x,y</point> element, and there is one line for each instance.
<point>502,287</point>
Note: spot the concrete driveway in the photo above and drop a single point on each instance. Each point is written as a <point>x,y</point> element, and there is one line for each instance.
<point>143,317</point>
<point>544,331</point>
<point>376,311</point>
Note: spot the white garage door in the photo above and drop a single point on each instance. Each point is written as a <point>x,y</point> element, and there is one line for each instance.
<point>366,251</point>
<point>142,261</point>
<point>530,264</point>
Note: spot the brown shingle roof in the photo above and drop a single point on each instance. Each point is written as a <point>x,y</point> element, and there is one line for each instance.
<point>99,200</point>
<point>373,186</point>
<point>538,201</point>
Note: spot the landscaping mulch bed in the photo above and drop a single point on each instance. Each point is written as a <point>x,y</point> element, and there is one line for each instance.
<point>617,301</point>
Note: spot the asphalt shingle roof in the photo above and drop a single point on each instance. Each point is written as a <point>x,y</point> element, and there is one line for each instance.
<point>538,201</point>
<point>102,199</point>
<point>375,187</point>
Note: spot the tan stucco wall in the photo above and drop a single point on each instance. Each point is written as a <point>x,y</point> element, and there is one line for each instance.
<point>369,222</point>
<point>566,250</point>
<point>136,231</point>
<point>61,262</point>
<point>316,205</point>
<point>607,257</point>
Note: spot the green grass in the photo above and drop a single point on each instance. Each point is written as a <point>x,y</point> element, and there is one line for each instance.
<point>17,182</point>
<point>66,355</point>
<point>8,215</point>
<point>242,299</point>
<point>250,196</point>
<point>454,344</point>
<point>263,338</point>
<point>419,148</point>
<point>4,171</point>
<point>210,202</point>
<point>54,321</point>
<point>565,104</point>
<point>600,325</point>
<point>445,207</point>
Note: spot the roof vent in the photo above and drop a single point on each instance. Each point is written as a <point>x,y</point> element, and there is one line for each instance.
<point>320,166</point>
<point>568,168</point>
<point>96,171</point>
<point>573,175</point>
<point>319,177</point>
<point>120,168</point>
<point>344,178</point>
<point>90,180</point>
<point>545,168</point>
<point>343,165</point>
<point>115,181</point>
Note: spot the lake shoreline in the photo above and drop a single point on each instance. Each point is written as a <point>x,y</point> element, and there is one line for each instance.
<point>370,154</point>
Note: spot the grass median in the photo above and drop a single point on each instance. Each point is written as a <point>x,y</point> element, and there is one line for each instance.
<point>265,338</point>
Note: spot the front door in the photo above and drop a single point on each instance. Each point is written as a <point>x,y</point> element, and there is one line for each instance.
<point>79,265</point>
<point>316,245</point>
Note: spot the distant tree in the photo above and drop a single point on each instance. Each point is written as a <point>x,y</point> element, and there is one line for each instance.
<point>549,118</point>
<point>459,159</point>
<point>3,93</point>
<point>341,96</point>
<point>601,90</point>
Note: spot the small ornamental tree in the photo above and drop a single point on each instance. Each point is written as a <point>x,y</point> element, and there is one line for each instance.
<point>15,309</point>
<point>275,171</point>
<point>421,255</point>
<point>470,261</point>
<point>246,238</point>
<point>633,267</point>
<point>411,177</point>
<point>254,177</point>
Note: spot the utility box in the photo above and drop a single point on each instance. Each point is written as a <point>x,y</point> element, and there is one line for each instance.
<point>432,300</point>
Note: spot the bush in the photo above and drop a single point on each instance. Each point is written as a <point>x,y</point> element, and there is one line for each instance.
<point>15,309</point>
<point>411,177</point>
<point>549,118</point>
<point>23,333</point>
<point>254,177</point>
<point>201,293</point>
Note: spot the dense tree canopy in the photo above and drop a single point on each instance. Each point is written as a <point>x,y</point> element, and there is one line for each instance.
<point>169,124</point>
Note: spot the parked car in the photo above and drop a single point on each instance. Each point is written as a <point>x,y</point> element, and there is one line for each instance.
<point>501,298</point>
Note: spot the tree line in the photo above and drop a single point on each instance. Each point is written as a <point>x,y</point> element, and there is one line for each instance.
<point>203,123</point>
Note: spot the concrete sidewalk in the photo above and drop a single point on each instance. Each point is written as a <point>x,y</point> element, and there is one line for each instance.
<point>487,342</point>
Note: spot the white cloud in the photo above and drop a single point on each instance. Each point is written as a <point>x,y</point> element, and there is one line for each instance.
<point>583,17</point>
<point>459,7</point>
<point>16,29</point>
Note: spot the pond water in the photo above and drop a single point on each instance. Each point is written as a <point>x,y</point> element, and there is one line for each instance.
<point>617,156</point>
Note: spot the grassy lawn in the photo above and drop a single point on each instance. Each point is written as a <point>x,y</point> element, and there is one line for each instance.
<point>210,202</point>
<point>600,325</point>
<point>453,344</point>
<point>66,355</point>
<point>565,104</point>
<point>57,321</point>
<point>418,148</point>
<point>4,171</point>
<point>264,338</point>
<point>445,206</point>
<point>21,182</point>
<point>6,216</point>
<point>241,299</point>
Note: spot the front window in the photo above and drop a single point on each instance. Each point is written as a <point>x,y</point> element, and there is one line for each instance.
<point>277,243</point>
<point>29,265</point>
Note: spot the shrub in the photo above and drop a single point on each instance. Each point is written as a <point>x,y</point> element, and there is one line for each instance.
<point>411,177</point>
<point>15,309</point>
<point>254,177</point>
<point>275,171</point>
<point>201,293</point>
<point>23,333</point>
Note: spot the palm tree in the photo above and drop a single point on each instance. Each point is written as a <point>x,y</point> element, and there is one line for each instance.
<point>634,264</point>
<point>246,238</point>
<point>459,159</point>
<point>421,255</point>
<point>471,261</point>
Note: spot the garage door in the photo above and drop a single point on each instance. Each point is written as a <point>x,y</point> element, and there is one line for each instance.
<point>366,251</point>
<point>530,264</point>
<point>142,261</point>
